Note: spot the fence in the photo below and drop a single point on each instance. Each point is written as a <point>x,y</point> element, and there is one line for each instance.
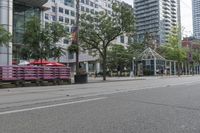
<point>34,73</point>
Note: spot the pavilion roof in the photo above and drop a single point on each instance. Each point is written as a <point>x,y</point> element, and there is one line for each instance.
<point>150,54</point>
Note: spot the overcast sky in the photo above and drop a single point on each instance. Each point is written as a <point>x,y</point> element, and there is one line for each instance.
<point>186,16</point>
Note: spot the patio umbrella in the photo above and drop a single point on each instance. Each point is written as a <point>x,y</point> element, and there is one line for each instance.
<point>24,63</point>
<point>39,62</point>
<point>54,64</point>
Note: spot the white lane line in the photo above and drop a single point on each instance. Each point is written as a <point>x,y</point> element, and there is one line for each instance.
<point>50,106</point>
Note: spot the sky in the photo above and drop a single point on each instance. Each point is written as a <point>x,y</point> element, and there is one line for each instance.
<point>186,16</point>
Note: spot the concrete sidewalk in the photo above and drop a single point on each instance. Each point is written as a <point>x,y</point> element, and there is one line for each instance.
<point>116,79</point>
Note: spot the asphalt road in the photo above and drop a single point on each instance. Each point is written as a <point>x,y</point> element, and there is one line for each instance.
<point>148,106</point>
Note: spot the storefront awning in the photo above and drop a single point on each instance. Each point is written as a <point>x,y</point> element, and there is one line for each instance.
<point>36,3</point>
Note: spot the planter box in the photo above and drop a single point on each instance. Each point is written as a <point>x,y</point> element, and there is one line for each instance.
<point>80,79</point>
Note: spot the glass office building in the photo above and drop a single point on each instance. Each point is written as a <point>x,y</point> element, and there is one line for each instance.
<point>13,16</point>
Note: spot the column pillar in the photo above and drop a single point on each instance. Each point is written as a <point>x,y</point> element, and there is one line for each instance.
<point>86,67</point>
<point>98,69</point>
<point>6,20</point>
<point>182,66</point>
<point>174,68</point>
<point>155,67</point>
<point>170,68</point>
<point>186,69</point>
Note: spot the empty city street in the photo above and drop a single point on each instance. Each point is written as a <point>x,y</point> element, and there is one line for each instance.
<point>149,105</point>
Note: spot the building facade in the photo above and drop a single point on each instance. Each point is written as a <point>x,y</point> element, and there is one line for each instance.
<point>13,15</point>
<point>196,18</point>
<point>64,12</point>
<point>156,17</point>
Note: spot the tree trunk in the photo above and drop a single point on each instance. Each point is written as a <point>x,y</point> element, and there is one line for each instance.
<point>104,68</point>
<point>104,56</point>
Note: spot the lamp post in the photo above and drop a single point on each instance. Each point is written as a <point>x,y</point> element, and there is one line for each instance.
<point>77,34</point>
<point>79,77</point>
<point>133,66</point>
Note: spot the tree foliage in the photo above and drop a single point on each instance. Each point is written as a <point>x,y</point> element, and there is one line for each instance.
<point>5,36</point>
<point>135,49</point>
<point>40,42</point>
<point>97,31</point>
<point>118,58</point>
<point>150,41</point>
<point>173,49</point>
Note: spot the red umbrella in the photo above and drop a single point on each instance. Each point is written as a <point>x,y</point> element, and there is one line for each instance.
<point>39,62</point>
<point>54,64</point>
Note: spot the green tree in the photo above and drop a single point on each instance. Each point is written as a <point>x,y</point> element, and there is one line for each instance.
<point>173,50</point>
<point>135,49</point>
<point>194,54</point>
<point>118,57</point>
<point>58,52</point>
<point>150,41</point>
<point>40,41</point>
<point>5,36</point>
<point>195,51</point>
<point>97,31</point>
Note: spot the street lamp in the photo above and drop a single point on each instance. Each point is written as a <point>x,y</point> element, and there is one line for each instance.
<point>133,66</point>
<point>77,34</point>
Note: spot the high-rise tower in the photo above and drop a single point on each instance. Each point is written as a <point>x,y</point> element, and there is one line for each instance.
<point>196,18</point>
<point>156,17</point>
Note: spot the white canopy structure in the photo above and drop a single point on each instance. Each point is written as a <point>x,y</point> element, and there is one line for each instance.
<point>153,63</point>
<point>150,54</point>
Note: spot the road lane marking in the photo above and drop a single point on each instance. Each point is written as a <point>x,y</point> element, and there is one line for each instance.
<point>50,106</point>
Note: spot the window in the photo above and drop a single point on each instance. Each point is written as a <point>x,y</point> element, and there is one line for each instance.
<point>46,16</point>
<point>87,10</point>
<point>82,8</point>
<point>82,1</point>
<point>92,11</point>
<point>69,2</point>
<point>70,55</point>
<point>122,39</point>
<point>53,9</point>
<point>60,10</point>
<point>67,20</point>
<point>72,29</point>
<point>96,12</point>
<point>91,4</point>
<point>72,22</point>
<point>61,18</point>
<point>53,18</point>
<point>52,0</point>
<point>87,2</point>
<point>96,6</point>
<point>67,28</point>
<point>148,62</point>
<point>72,13</point>
<point>66,11</point>
<point>65,41</point>
<point>46,24</point>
